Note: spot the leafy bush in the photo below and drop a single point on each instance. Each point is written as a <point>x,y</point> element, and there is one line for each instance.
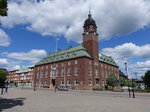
<point>142,90</point>
<point>97,89</point>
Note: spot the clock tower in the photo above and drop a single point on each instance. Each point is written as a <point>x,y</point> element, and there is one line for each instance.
<point>90,37</point>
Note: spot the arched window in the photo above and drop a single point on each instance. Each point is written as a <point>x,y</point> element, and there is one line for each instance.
<point>90,82</point>
<point>76,82</point>
<point>68,82</point>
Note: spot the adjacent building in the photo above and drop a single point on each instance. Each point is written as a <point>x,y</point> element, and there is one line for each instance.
<point>80,67</point>
<point>22,77</point>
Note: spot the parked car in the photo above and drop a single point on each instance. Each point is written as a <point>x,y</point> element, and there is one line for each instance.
<point>62,88</point>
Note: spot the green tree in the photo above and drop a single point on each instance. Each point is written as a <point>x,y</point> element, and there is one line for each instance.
<point>3,77</point>
<point>112,80</point>
<point>146,79</point>
<point>3,8</point>
<point>122,81</point>
<point>131,83</point>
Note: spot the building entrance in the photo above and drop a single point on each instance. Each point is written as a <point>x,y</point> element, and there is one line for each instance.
<point>53,82</point>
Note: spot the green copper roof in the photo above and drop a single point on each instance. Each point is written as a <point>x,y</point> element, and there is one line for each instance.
<point>107,59</point>
<point>22,69</point>
<point>73,52</point>
<point>70,53</point>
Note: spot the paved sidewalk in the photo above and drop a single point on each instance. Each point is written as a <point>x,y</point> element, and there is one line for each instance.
<point>27,100</point>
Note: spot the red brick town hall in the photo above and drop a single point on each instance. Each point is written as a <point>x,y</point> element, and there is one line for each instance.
<point>80,67</point>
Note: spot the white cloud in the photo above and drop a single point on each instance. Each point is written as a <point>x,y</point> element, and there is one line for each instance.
<point>53,17</point>
<point>4,39</point>
<point>141,66</point>
<point>3,62</point>
<point>33,55</point>
<point>128,50</point>
<point>15,67</point>
<point>9,64</point>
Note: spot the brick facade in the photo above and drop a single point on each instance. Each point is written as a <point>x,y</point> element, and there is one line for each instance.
<point>22,76</point>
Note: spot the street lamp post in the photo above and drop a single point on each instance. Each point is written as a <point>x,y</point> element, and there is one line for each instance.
<point>133,89</point>
<point>34,82</point>
<point>65,74</point>
<point>126,69</point>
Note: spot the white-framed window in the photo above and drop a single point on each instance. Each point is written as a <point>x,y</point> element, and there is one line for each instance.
<point>90,71</point>
<point>62,64</point>
<point>106,75</point>
<point>62,82</point>
<point>46,67</point>
<point>96,64</point>
<point>76,71</point>
<point>90,82</point>
<point>76,82</point>
<point>51,73</point>
<point>96,72</point>
<point>41,74</point>
<point>62,72</point>
<point>76,62</point>
<point>117,69</point>
<point>103,84</point>
<point>56,72</point>
<point>46,74</point>
<point>69,71</point>
<point>68,82</point>
<point>42,67</point>
<point>90,62</point>
<point>97,81</point>
<point>37,75</point>
<point>69,63</point>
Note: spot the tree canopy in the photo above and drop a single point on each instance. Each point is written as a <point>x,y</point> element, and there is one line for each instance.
<point>112,80</point>
<point>3,8</point>
<point>146,79</point>
<point>123,81</point>
<point>3,77</point>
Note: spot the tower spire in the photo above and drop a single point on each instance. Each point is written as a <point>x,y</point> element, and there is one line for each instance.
<point>89,11</point>
<point>89,15</point>
<point>89,21</point>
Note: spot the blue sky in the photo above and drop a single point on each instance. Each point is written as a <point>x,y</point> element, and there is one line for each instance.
<point>29,34</point>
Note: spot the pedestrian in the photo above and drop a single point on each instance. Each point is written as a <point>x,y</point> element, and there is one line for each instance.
<point>2,89</point>
<point>55,89</point>
<point>6,87</point>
